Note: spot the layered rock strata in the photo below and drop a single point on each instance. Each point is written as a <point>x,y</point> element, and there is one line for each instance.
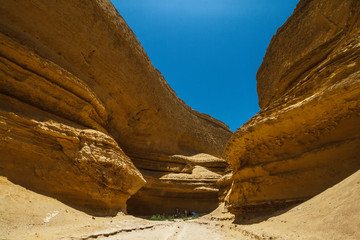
<point>178,182</point>
<point>88,98</point>
<point>306,137</point>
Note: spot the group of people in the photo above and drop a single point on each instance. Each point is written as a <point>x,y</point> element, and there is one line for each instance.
<point>186,214</point>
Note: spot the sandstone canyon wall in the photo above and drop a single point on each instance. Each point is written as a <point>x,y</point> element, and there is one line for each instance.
<point>82,110</point>
<point>306,137</point>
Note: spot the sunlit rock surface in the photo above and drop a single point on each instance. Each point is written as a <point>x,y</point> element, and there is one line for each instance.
<point>306,137</point>
<point>81,102</point>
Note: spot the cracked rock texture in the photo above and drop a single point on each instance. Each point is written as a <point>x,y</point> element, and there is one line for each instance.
<point>81,103</point>
<point>306,137</point>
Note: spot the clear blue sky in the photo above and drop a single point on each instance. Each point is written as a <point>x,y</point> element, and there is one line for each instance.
<point>209,50</point>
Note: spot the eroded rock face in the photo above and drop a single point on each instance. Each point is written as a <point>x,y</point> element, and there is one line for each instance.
<point>306,137</point>
<point>52,135</point>
<point>80,65</point>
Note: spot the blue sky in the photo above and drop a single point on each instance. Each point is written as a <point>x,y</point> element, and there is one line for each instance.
<point>209,50</point>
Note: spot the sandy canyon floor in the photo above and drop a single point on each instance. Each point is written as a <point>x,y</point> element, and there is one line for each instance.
<point>333,214</point>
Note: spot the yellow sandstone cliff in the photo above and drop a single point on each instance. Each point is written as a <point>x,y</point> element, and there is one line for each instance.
<point>87,119</point>
<point>82,110</point>
<point>306,137</point>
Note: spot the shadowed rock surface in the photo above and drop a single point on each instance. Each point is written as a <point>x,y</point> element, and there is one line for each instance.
<point>80,96</point>
<point>306,137</point>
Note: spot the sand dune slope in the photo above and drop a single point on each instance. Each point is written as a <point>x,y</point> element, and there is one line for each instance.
<point>333,214</point>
